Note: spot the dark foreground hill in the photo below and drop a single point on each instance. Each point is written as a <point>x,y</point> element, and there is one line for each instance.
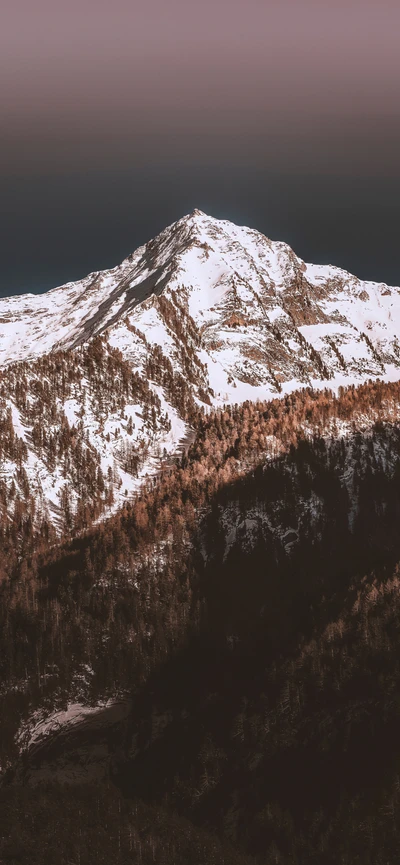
<point>245,610</point>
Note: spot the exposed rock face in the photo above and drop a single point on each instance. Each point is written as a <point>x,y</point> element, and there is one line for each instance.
<point>229,291</point>
<point>207,312</point>
<point>73,746</point>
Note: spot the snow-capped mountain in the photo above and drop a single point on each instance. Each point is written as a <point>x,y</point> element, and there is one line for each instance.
<point>206,313</point>
<point>260,314</point>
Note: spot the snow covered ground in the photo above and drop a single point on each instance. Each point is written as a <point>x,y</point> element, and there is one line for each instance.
<point>217,270</point>
<point>239,316</point>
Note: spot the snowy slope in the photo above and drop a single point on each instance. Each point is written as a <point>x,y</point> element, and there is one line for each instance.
<point>257,307</point>
<point>236,315</point>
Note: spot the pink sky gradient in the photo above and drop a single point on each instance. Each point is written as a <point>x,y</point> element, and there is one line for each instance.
<point>287,82</point>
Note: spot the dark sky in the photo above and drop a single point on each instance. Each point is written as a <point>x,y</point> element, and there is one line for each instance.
<point>118,118</point>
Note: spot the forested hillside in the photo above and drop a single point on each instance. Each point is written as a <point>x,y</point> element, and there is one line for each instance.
<point>246,605</point>
<point>78,430</point>
<point>58,825</point>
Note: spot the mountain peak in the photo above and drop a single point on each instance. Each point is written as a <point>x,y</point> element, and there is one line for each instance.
<point>197,212</point>
<point>258,317</point>
<point>206,313</point>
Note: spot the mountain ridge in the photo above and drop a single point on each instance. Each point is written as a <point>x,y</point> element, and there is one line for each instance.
<point>264,273</point>
<point>206,313</point>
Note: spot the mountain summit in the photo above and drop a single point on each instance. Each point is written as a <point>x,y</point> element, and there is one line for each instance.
<point>101,377</point>
<point>261,319</point>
